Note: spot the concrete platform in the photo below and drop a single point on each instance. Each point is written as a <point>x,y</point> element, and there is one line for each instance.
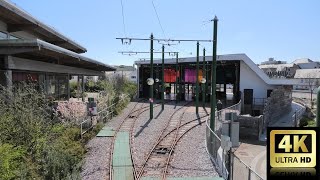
<point>121,159</point>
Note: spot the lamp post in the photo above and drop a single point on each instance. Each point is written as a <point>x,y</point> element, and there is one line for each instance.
<point>203,82</point>
<point>150,82</point>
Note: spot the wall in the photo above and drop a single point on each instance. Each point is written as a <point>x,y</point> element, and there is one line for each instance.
<point>277,104</point>
<point>250,127</point>
<point>250,80</point>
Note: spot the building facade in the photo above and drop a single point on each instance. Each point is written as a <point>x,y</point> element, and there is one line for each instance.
<point>237,76</point>
<point>31,51</point>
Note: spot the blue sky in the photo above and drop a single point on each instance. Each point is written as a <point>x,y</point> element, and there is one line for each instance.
<point>285,30</point>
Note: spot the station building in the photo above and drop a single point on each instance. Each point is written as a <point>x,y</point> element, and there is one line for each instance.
<point>33,51</point>
<point>238,77</point>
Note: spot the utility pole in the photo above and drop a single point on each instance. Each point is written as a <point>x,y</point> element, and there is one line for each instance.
<point>151,76</point>
<point>127,40</point>
<point>213,74</point>
<point>162,80</point>
<point>197,80</point>
<point>176,85</point>
<point>204,76</point>
<point>162,64</point>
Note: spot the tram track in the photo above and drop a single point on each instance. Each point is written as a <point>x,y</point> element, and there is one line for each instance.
<point>164,147</point>
<point>127,125</point>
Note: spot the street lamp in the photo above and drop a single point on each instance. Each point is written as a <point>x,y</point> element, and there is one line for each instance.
<point>150,82</point>
<point>203,82</point>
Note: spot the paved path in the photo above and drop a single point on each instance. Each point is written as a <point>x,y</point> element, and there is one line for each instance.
<point>255,155</point>
<point>286,119</point>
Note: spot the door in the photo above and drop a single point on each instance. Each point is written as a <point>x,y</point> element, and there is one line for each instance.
<point>248,96</point>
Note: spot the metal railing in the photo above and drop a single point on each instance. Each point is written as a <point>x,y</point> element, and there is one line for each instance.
<point>219,156</point>
<point>297,116</point>
<point>103,116</point>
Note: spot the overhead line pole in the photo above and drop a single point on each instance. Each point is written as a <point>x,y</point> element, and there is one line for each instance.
<point>176,85</point>
<point>151,76</point>
<point>162,81</point>
<point>151,57</point>
<point>197,80</point>
<point>162,65</point>
<point>204,76</point>
<point>213,75</point>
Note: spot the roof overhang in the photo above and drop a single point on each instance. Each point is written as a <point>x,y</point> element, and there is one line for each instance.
<point>42,51</point>
<point>229,57</point>
<point>19,20</point>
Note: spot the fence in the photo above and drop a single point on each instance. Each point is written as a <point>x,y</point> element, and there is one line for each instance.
<point>103,116</point>
<point>297,116</point>
<point>241,171</point>
<point>219,156</point>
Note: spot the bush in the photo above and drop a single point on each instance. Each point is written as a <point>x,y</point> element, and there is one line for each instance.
<point>307,122</point>
<point>34,143</point>
<point>10,161</point>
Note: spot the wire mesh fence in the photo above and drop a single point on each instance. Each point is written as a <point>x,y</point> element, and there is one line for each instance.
<point>238,170</point>
<point>219,156</point>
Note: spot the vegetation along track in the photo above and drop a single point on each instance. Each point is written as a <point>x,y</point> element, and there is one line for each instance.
<point>159,157</point>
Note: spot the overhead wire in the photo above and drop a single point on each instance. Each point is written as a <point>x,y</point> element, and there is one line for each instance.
<point>155,10</point>
<point>123,22</point>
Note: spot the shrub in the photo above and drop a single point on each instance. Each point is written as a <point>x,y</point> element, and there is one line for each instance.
<point>10,161</point>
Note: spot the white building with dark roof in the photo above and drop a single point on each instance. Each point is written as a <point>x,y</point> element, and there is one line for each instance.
<point>308,79</point>
<point>236,71</point>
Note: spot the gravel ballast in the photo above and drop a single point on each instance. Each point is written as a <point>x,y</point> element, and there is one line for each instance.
<point>189,159</point>
<point>97,160</point>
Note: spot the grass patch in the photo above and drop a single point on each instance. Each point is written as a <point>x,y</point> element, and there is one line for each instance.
<point>307,122</point>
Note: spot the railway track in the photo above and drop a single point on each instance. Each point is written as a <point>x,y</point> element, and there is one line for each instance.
<point>127,125</point>
<point>158,159</point>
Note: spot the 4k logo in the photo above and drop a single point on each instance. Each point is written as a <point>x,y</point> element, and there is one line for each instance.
<point>292,148</point>
<point>298,143</point>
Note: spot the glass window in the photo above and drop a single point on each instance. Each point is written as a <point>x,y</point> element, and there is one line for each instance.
<point>3,35</point>
<point>13,37</point>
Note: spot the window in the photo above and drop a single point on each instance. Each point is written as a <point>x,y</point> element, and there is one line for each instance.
<point>3,35</point>
<point>13,37</point>
<point>133,77</point>
<point>220,87</point>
